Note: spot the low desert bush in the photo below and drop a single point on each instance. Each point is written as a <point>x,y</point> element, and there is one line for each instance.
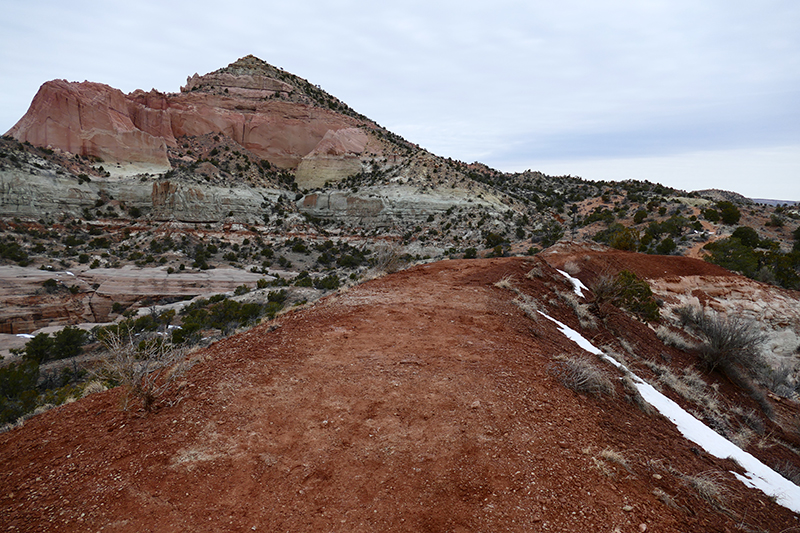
<point>582,311</point>
<point>583,376</point>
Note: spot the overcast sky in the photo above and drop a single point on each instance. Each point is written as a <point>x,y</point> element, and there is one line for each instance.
<point>690,93</point>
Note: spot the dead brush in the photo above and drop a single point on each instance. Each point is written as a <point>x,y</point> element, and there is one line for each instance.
<point>729,341</point>
<point>388,259</point>
<point>147,371</point>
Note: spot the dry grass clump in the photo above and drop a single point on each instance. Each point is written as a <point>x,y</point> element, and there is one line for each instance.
<point>506,283</point>
<point>93,387</point>
<point>580,374</point>
<point>535,272</point>
<point>582,311</point>
<point>571,268</point>
<point>671,338</point>
<point>709,487</point>
<point>601,460</point>
<point>614,456</point>
<point>789,471</point>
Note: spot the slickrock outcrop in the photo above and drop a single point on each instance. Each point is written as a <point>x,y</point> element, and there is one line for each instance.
<point>285,121</point>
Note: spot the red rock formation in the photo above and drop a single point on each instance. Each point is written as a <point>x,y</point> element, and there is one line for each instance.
<point>274,119</point>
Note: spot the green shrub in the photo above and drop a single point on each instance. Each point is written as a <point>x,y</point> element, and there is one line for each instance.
<point>329,282</point>
<point>730,253</point>
<point>624,239</point>
<point>18,394</point>
<point>747,236</point>
<point>666,247</point>
<point>493,240</point>
<point>51,285</point>
<point>728,213</point>
<point>303,280</point>
<point>628,291</point>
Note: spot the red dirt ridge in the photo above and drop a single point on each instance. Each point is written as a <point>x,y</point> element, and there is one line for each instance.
<point>422,401</point>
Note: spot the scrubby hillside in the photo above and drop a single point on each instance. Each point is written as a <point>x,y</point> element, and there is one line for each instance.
<point>451,396</point>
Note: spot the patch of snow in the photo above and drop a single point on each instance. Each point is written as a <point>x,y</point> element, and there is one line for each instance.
<point>758,475</point>
<point>577,285</point>
<point>67,272</point>
<point>574,336</point>
<point>25,335</point>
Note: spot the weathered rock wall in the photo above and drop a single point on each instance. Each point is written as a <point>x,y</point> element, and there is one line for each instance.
<point>47,194</point>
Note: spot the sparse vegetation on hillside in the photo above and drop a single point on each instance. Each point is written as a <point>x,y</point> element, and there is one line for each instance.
<point>762,259</point>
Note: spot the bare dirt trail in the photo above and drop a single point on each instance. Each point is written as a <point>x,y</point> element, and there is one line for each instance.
<point>421,401</point>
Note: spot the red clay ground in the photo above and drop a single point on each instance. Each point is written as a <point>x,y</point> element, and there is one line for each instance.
<point>421,401</point>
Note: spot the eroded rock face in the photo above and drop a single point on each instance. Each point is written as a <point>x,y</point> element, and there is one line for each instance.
<point>91,119</point>
<point>48,193</point>
<point>389,205</point>
<point>270,117</point>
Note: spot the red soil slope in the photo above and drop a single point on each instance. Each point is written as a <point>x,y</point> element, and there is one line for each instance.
<point>421,401</point>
